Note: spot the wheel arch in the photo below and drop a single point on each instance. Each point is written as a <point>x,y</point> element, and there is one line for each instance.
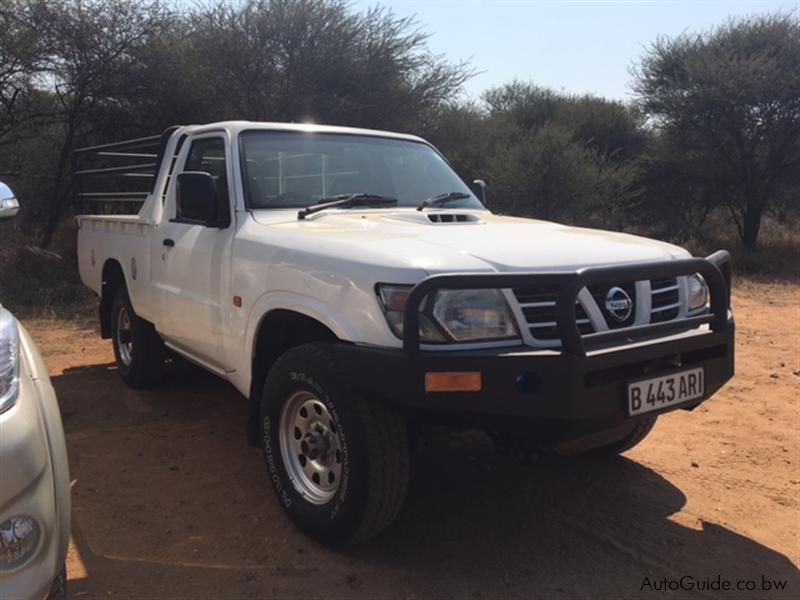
<point>112,277</point>
<point>278,330</point>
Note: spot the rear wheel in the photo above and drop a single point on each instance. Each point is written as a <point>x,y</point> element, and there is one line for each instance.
<point>338,462</point>
<point>138,349</point>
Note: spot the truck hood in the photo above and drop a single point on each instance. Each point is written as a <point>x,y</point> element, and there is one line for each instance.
<point>453,240</point>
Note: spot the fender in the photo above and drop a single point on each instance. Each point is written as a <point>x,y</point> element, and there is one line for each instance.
<point>332,318</point>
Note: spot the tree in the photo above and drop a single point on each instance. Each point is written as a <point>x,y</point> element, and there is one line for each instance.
<point>297,60</point>
<point>90,46</point>
<point>678,199</point>
<point>731,95</point>
<point>100,70</point>
<point>20,55</point>
<point>463,133</point>
<point>562,157</point>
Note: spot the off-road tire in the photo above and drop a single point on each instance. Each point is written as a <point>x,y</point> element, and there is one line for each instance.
<point>144,367</point>
<point>372,438</point>
<point>640,431</point>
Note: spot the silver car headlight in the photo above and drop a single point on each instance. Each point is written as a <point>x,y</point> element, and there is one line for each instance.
<point>453,315</point>
<point>9,360</point>
<point>698,293</point>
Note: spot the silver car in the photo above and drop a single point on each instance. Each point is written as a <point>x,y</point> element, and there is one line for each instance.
<point>9,206</point>
<point>34,473</point>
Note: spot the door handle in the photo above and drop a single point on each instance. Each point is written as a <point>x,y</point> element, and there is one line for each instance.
<point>169,242</point>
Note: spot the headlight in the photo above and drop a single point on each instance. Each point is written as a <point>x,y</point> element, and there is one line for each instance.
<point>453,315</point>
<point>698,293</point>
<point>473,315</point>
<point>9,360</point>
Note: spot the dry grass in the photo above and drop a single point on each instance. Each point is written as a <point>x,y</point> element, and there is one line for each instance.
<point>42,285</point>
<point>777,257</point>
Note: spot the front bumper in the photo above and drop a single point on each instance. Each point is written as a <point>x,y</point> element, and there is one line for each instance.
<point>579,388</point>
<point>31,486</point>
<point>588,392</point>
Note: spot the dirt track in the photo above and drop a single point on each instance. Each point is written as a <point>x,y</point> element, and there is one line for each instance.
<point>170,501</point>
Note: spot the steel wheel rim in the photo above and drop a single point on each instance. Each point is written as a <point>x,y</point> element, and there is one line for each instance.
<point>124,343</point>
<point>311,447</point>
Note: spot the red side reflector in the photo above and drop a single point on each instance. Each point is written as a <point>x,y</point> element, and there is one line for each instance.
<point>444,381</point>
<point>237,301</point>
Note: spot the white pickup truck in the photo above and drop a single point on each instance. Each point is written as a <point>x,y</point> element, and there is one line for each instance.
<point>352,286</point>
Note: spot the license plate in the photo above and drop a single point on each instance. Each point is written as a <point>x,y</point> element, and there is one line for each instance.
<point>656,393</point>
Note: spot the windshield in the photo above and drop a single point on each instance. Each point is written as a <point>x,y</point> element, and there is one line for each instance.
<point>296,169</point>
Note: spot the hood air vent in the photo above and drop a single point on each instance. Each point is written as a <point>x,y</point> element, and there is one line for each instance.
<point>452,218</point>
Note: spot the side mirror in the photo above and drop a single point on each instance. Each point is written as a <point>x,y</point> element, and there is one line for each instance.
<point>198,201</point>
<point>479,187</point>
<point>9,205</point>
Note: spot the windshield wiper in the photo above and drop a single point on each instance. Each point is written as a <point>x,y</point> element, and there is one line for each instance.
<point>442,199</point>
<point>346,201</point>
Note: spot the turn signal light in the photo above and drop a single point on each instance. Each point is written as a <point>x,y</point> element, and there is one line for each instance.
<point>460,381</point>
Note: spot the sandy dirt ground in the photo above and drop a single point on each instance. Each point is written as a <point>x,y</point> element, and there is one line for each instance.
<point>169,501</point>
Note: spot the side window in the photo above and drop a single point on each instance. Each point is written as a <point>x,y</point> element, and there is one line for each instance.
<point>208,155</point>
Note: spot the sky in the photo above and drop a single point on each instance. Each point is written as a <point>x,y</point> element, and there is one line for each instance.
<point>571,46</point>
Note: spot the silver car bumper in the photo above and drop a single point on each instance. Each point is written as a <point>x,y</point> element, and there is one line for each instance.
<point>34,478</point>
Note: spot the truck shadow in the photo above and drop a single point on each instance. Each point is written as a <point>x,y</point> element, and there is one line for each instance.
<point>587,527</point>
<point>169,500</point>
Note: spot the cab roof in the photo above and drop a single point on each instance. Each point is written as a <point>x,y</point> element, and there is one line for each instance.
<point>236,127</point>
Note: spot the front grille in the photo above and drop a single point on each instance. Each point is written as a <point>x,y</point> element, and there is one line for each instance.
<point>665,300</point>
<point>600,293</point>
<point>538,304</point>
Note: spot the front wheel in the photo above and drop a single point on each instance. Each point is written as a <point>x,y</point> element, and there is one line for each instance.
<point>638,433</point>
<point>338,462</point>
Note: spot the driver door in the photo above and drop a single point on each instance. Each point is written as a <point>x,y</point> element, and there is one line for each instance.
<point>195,261</point>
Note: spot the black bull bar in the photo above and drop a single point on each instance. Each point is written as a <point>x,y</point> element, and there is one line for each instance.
<point>715,269</point>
